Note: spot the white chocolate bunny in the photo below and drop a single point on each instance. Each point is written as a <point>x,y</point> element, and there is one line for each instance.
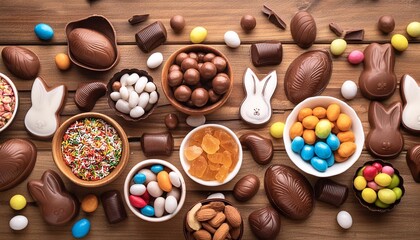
<point>256,107</point>
<point>410,94</point>
<point>42,119</point>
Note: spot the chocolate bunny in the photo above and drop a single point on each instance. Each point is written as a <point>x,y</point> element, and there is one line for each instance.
<point>384,139</point>
<point>57,205</point>
<point>410,94</point>
<point>378,80</point>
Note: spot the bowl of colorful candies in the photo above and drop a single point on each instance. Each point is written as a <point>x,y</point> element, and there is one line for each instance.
<point>211,154</point>
<point>378,186</point>
<point>8,101</point>
<point>323,136</point>
<point>154,190</point>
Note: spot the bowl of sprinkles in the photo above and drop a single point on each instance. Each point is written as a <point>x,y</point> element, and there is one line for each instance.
<point>91,149</point>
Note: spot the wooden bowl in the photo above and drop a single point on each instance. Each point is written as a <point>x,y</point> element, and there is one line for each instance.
<point>167,90</point>
<point>66,170</point>
<point>111,102</point>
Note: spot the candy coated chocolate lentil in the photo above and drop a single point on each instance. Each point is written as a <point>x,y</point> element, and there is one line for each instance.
<point>330,160</point>
<point>81,228</point>
<point>17,202</point>
<point>139,178</point>
<point>297,144</point>
<point>156,168</point>
<point>356,57</point>
<point>333,141</point>
<point>148,211</point>
<point>322,150</point>
<point>44,31</point>
<point>307,152</point>
<point>319,164</point>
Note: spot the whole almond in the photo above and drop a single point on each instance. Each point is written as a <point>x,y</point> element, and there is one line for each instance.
<point>235,233</point>
<point>208,227</point>
<point>217,220</point>
<point>221,232</point>
<point>202,235</point>
<point>205,214</point>
<point>233,216</point>
<point>217,206</point>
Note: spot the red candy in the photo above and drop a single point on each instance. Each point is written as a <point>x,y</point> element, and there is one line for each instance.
<point>377,166</point>
<point>146,197</point>
<point>370,172</point>
<point>137,202</point>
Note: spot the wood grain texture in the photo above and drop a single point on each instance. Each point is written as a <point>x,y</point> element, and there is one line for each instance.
<point>18,17</point>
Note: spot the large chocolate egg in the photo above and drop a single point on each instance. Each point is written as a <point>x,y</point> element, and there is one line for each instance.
<point>21,61</point>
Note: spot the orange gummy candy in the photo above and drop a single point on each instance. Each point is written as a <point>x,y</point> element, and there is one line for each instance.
<point>198,167</point>
<point>222,174</point>
<point>227,159</point>
<point>214,166</point>
<point>192,152</point>
<point>210,144</point>
<point>209,175</point>
<point>215,158</point>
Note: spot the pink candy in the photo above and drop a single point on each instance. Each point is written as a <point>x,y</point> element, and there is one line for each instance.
<point>356,57</point>
<point>137,202</point>
<point>388,170</point>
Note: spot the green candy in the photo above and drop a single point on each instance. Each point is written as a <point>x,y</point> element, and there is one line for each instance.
<point>323,129</point>
<point>394,182</point>
<point>398,192</point>
<point>380,204</point>
<point>387,196</point>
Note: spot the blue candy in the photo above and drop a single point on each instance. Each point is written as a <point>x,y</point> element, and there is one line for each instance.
<point>333,141</point>
<point>80,228</point>
<point>297,144</point>
<point>44,31</point>
<point>322,150</point>
<point>319,164</point>
<point>156,168</point>
<point>330,160</point>
<point>148,211</point>
<point>139,178</point>
<point>307,152</point>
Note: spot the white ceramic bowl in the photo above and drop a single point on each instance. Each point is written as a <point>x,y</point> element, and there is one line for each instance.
<point>357,129</point>
<point>147,164</point>
<point>8,80</point>
<point>186,165</point>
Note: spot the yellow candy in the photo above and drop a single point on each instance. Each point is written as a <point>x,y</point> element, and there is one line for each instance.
<point>18,202</point>
<point>62,61</point>
<point>359,183</point>
<point>369,195</point>
<point>399,42</point>
<point>383,179</point>
<point>338,46</point>
<point>276,130</point>
<point>413,29</point>
<point>164,182</point>
<point>198,35</point>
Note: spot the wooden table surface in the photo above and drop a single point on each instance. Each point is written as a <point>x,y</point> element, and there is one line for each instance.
<point>18,18</point>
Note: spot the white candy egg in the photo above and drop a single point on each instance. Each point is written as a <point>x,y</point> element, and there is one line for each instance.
<point>140,84</point>
<point>153,189</point>
<point>174,178</point>
<point>196,120</point>
<point>344,219</point>
<point>132,79</point>
<point>124,93</point>
<point>143,99</point>
<point>171,204</point>
<point>150,87</point>
<point>349,89</point>
<point>153,97</point>
<point>137,189</point>
<point>159,206</point>
<point>133,99</point>
<point>136,112</point>
<point>232,39</point>
<point>123,79</point>
<point>18,222</point>
<point>216,195</point>
<point>175,193</point>
<point>150,176</point>
<point>122,106</point>
<point>130,89</point>
<point>115,96</point>
<point>154,60</point>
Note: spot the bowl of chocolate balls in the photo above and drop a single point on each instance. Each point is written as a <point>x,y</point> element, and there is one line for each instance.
<point>197,79</point>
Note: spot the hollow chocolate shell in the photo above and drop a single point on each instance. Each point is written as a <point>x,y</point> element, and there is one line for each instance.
<point>92,43</point>
<point>265,223</point>
<point>289,191</point>
<point>308,75</point>
<point>303,29</point>
<point>21,61</point>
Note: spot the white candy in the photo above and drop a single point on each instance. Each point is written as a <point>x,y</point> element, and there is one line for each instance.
<point>216,195</point>
<point>123,79</point>
<point>174,178</point>
<point>137,189</point>
<point>150,176</point>
<point>153,97</point>
<point>140,84</point>
<point>159,206</point>
<point>344,219</point>
<point>232,39</point>
<point>130,89</point>
<point>349,89</point>
<point>196,120</point>
<point>154,60</point>
<point>122,106</point>
<point>150,87</point>
<point>124,93</point>
<point>143,100</point>
<point>132,79</point>
<point>154,190</point>
<point>171,204</point>
<point>18,222</point>
<point>175,193</point>
<point>115,96</point>
<point>136,112</point>
<point>133,99</point>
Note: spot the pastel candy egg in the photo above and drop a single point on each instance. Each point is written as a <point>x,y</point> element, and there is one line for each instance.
<point>143,99</point>
<point>132,79</point>
<point>344,219</point>
<point>333,142</point>
<point>136,112</point>
<point>383,179</point>
<point>380,204</point>
<point>146,197</point>
<point>81,228</point>
<point>398,192</point>
<point>307,152</point>
<point>323,129</point>
<point>413,29</point>
<point>338,46</point>
<point>399,42</point>
<point>232,39</point>
<point>359,183</point>
<point>137,201</point>
<point>170,204</point>
<point>174,178</point>
<point>319,164</point>
<point>154,190</point>
<point>377,166</point>
<point>330,160</point>
<point>150,176</point>
<point>159,205</point>
<point>44,31</point>
<point>388,170</point>
<point>148,211</point>
<point>322,150</point>
<point>356,57</point>
<point>137,189</point>
<point>198,34</point>
<point>277,129</point>
<point>297,144</point>
<point>18,222</point>
<point>62,61</point>
<point>394,182</point>
<point>176,193</point>
<point>140,84</point>
<point>139,178</point>
<point>123,106</point>
<point>373,185</point>
<point>17,202</point>
<point>349,90</point>
<point>156,168</point>
<point>387,196</point>
<point>154,60</point>
<point>164,181</point>
<point>369,195</point>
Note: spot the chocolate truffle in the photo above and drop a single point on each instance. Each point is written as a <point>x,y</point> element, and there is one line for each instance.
<point>182,93</point>
<point>208,70</point>
<point>174,67</point>
<point>386,24</point>
<point>181,57</point>
<point>220,63</point>
<point>209,57</point>
<point>199,97</point>
<point>221,83</point>
<point>177,23</point>
<point>248,22</point>
<point>175,78</point>
<point>191,76</point>
<point>213,97</point>
<point>193,55</point>
<point>189,63</point>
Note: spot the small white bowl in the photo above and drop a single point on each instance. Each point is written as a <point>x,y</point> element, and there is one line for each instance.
<point>129,179</point>
<point>15,91</point>
<point>357,128</point>
<point>186,165</point>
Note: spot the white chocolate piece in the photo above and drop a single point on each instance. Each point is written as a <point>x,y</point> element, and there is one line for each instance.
<point>133,99</point>
<point>410,93</point>
<point>122,106</point>
<point>150,87</point>
<point>153,98</point>
<point>154,60</point>
<point>115,96</point>
<point>136,112</point>
<point>143,100</point>
<point>159,206</point>
<point>196,120</point>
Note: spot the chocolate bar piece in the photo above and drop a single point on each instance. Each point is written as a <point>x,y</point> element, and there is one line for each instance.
<point>336,29</point>
<point>151,36</point>
<point>113,206</point>
<point>413,162</point>
<point>136,19</point>
<point>273,17</point>
<point>354,35</point>
<point>263,54</point>
<point>326,190</point>
<point>157,144</point>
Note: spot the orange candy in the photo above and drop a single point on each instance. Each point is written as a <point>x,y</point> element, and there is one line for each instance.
<point>210,144</point>
<point>192,152</point>
<point>198,167</point>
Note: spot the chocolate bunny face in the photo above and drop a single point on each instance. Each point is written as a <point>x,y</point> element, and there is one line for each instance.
<point>384,139</point>
<point>410,94</point>
<point>378,80</point>
<point>57,205</point>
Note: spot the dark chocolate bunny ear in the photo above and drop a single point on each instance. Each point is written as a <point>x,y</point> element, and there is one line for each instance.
<point>52,181</point>
<point>395,114</point>
<point>376,114</point>
<point>35,188</point>
<point>387,57</point>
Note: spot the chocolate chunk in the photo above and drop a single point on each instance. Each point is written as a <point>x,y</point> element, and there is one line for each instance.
<point>384,139</point>
<point>273,17</point>
<point>336,29</point>
<point>246,187</point>
<point>171,121</point>
<point>386,24</point>
<point>289,191</point>
<point>378,80</point>
<point>248,22</point>
<point>308,75</point>
<point>151,36</point>
<point>156,144</point>
<point>354,35</point>
<point>303,29</point>
<point>18,157</point>
<point>57,205</point>
<point>21,61</point>
<point>265,223</point>
<point>136,19</point>
<point>261,148</point>
<point>410,93</point>
<point>413,162</point>
<point>177,23</point>
<point>269,53</point>
<point>87,95</point>
<point>113,206</point>
<point>326,190</point>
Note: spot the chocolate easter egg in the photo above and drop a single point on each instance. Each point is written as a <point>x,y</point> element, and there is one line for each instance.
<point>21,61</point>
<point>289,191</point>
<point>308,75</point>
<point>303,29</point>
<point>17,160</point>
<point>87,95</point>
<point>246,187</point>
<point>265,223</point>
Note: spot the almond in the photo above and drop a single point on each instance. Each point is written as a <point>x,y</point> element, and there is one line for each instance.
<point>233,216</point>
<point>217,206</point>
<point>192,220</point>
<point>202,235</point>
<point>205,214</point>
<point>221,232</point>
<point>217,220</point>
<point>235,233</point>
<point>208,227</point>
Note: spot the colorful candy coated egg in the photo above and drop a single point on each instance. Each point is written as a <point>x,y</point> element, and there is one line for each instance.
<point>297,144</point>
<point>80,228</point>
<point>319,164</point>
<point>44,31</point>
<point>307,152</point>
<point>322,150</point>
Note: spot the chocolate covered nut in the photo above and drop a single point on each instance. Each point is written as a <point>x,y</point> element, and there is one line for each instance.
<point>175,78</point>
<point>151,36</point>
<point>248,22</point>
<point>171,121</point>
<point>336,29</point>
<point>246,187</point>
<point>155,144</point>
<point>354,34</point>
<point>261,148</point>
<point>410,94</point>
<point>136,19</point>
<point>113,206</point>
<point>220,83</point>
<point>56,204</point>
<point>199,97</point>
<point>308,75</point>
<point>303,29</point>
<point>209,57</point>
<point>273,17</point>
<point>208,70</point>
<point>182,93</point>
<point>21,61</point>
<point>413,162</point>
<point>326,190</point>
<point>191,76</point>
<point>386,24</point>
<point>177,23</point>
<point>263,54</point>
<point>188,63</point>
<point>220,63</point>
<point>265,223</point>
<point>17,160</point>
<point>87,95</point>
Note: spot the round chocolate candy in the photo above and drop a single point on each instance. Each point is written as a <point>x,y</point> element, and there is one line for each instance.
<point>189,63</point>
<point>174,67</point>
<point>191,76</point>
<point>221,83</point>
<point>208,70</point>
<point>201,57</point>
<point>213,97</point>
<point>175,78</point>
<point>171,121</point>
<point>177,23</point>
<point>180,57</point>
<point>193,55</point>
<point>248,22</point>
<point>199,97</point>
<point>209,57</point>
<point>386,24</point>
<point>220,63</point>
<point>182,93</point>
